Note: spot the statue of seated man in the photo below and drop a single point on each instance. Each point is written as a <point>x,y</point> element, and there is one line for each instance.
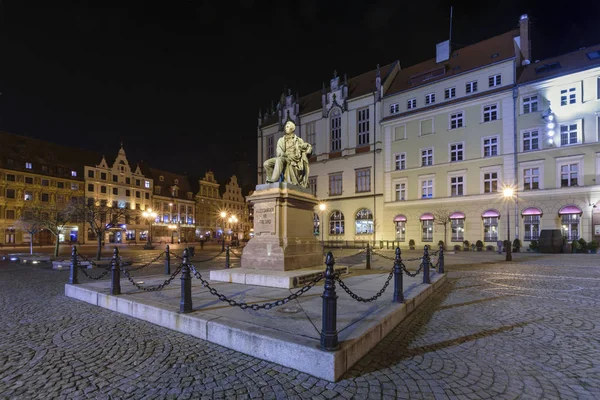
<point>291,160</point>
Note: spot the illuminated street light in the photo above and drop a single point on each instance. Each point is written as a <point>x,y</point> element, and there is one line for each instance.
<point>149,215</point>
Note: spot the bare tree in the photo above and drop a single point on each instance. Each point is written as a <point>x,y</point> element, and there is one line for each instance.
<point>55,219</point>
<point>442,217</point>
<point>100,218</point>
<point>30,222</point>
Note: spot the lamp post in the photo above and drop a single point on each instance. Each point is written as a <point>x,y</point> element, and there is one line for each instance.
<point>233,226</point>
<point>223,215</point>
<point>508,194</point>
<point>149,215</point>
<point>172,228</point>
<point>322,207</point>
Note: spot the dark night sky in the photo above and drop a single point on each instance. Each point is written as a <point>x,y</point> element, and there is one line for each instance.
<point>181,82</point>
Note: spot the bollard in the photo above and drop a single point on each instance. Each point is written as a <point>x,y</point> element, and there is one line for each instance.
<point>329,334</point>
<point>73,274</point>
<point>185,305</point>
<point>227,257</point>
<point>441,260</point>
<point>398,283</point>
<point>115,284</point>
<point>167,261</point>
<point>368,256</point>
<point>426,265</point>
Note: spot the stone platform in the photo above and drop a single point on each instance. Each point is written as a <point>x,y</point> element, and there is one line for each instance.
<point>288,335</point>
<point>277,279</point>
<point>25,258</point>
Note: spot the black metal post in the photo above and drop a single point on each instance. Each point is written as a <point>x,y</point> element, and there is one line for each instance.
<point>398,282</point>
<point>115,284</point>
<point>227,257</point>
<point>167,261</point>
<point>185,305</point>
<point>426,265</point>
<point>329,334</point>
<point>441,260</point>
<point>73,274</point>
<point>368,256</point>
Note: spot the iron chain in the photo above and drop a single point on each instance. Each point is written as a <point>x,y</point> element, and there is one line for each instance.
<point>255,307</point>
<point>235,254</point>
<point>84,258</point>
<point>152,288</point>
<point>417,272</point>
<point>370,299</point>
<point>149,263</point>
<point>95,278</point>
<point>208,259</point>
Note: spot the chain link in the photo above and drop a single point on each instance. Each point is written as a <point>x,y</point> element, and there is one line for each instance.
<point>200,261</point>
<point>363,300</point>
<point>149,263</point>
<point>255,307</point>
<point>95,278</point>
<point>417,272</point>
<point>235,254</point>
<point>152,288</point>
<point>84,258</point>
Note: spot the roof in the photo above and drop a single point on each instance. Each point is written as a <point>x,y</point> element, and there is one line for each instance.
<point>169,178</point>
<point>357,87</point>
<point>487,52</point>
<point>59,159</point>
<point>561,65</point>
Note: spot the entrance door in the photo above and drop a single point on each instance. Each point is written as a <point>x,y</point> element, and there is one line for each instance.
<point>119,237</point>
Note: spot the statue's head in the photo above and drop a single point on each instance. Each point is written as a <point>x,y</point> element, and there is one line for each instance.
<point>289,127</point>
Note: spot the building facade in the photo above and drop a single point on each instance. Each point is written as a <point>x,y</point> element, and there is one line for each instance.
<point>208,206</point>
<point>237,222</point>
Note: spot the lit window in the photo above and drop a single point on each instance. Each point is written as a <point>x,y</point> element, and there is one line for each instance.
<point>28,165</point>
<point>427,189</point>
<point>456,186</point>
<point>450,93</point>
<point>495,80</point>
<point>427,230</point>
<point>364,222</point>
<point>426,157</point>
<point>490,113</point>
<point>74,186</point>
<point>531,140</point>
<point>400,161</point>
<point>568,96</point>
<point>73,173</point>
<point>568,134</point>
<point>458,229</point>
<point>471,87</point>
<point>570,226</point>
<point>411,103</point>
<point>490,229</point>
<point>336,223</point>
<point>490,147</point>
<point>395,108</point>
<point>28,196</point>
<point>530,104</point>
<point>490,182</point>
<point>456,152</point>
<point>400,191</point>
<point>161,178</point>
<point>147,184</point>
<point>430,98</point>
<point>400,230</point>
<point>456,120</point>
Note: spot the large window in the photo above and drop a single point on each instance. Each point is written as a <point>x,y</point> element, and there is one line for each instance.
<point>311,135</point>
<point>456,152</point>
<point>312,185</point>
<point>570,226</point>
<point>456,120</point>
<point>426,157</point>
<point>457,222</point>
<point>363,126</point>
<point>532,227</point>
<point>427,230</point>
<point>490,113</point>
<point>336,130</point>
<point>490,146</point>
<point>400,191</point>
<point>568,174</point>
<point>568,96</point>
<point>335,184</point>
<point>490,229</point>
<point>457,186</point>
<point>568,134</point>
<point>427,188</point>
<point>270,146</point>
<point>363,180</point>
<point>364,222</point>
<point>400,230</point>
<point>531,140</point>
<point>531,178</point>
<point>400,161</point>
<point>336,223</point>
<point>530,104</point>
<point>490,182</point>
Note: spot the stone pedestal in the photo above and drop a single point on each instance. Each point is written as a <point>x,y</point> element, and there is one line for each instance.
<point>283,229</point>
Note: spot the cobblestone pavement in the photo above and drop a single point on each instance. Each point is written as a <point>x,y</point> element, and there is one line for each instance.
<point>523,330</point>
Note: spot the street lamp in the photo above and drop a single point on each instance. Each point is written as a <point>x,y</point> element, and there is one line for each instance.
<point>232,221</point>
<point>508,194</point>
<point>322,207</point>
<point>223,215</point>
<point>149,215</point>
<point>172,228</point>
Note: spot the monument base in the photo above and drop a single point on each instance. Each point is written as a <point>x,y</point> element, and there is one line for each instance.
<point>283,230</point>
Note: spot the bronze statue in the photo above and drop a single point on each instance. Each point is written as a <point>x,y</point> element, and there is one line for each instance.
<point>291,161</point>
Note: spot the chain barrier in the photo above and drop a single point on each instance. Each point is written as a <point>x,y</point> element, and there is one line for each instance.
<point>234,253</point>
<point>370,299</point>
<point>411,274</point>
<point>394,259</point>
<point>155,259</point>
<point>255,307</point>
<point>199,261</point>
<point>84,258</point>
<point>94,278</point>
<point>152,288</point>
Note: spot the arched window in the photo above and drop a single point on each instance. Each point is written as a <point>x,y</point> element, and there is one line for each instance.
<point>532,217</point>
<point>570,219</point>
<point>400,224</point>
<point>336,129</point>
<point>336,223</point>
<point>364,222</point>
<point>490,225</point>
<point>427,227</point>
<point>457,221</point>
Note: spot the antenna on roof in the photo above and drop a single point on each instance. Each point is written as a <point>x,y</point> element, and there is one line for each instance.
<point>450,36</point>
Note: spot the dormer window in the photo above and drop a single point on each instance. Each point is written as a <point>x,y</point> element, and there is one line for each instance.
<point>28,165</point>
<point>157,189</point>
<point>174,192</point>
<point>190,194</point>
<point>161,178</point>
<point>176,181</point>
<point>73,173</point>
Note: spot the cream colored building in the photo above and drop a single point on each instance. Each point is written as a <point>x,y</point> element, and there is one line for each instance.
<point>234,204</point>
<point>208,206</point>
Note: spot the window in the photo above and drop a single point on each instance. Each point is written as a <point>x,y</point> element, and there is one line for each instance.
<point>400,191</point>
<point>490,113</point>
<point>115,191</point>
<point>137,182</point>
<point>427,230</point>
<point>570,226</point>
<point>363,126</point>
<point>400,230</point>
<point>60,199</point>
<point>90,187</point>
<point>336,130</point>
<point>176,181</point>
<point>128,181</point>
<point>490,182</point>
<point>411,103</point>
<point>336,223</point>
<point>532,227</point>
<point>426,157</point>
<point>363,180</point>
<point>400,161</point>
<point>450,93</point>
<point>74,186</point>
<point>568,96</point>
<point>495,80</point>
<point>60,185</point>
<point>531,140</point>
<point>458,229</point>
<point>427,189</point>
<point>90,173</point>
<point>335,184</point>
<point>115,178</point>
<point>311,135</point>
<point>490,229</point>
<point>73,173</point>
<point>457,186</point>
<point>127,192</point>
<point>10,193</point>
<point>531,178</point>
<point>312,185</point>
<point>456,120</point>
<point>157,189</point>
<point>102,189</point>
<point>28,165</point>
<point>28,196</point>
<point>10,214</point>
<point>490,146</point>
<point>530,104</point>
<point>29,180</point>
<point>161,178</point>
<point>364,222</point>
<point>45,197</point>
<point>45,182</point>
<point>10,177</point>
<point>147,196</point>
<point>147,184</point>
<point>138,194</point>
<point>270,146</point>
<point>569,174</point>
<point>395,108</point>
<point>471,87</point>
<point>456,152</point>
<point>430,98</point>
<point>568,134</point>
<point>103,176</point>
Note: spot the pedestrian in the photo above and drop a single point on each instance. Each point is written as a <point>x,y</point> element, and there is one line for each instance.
<point>499,244</point>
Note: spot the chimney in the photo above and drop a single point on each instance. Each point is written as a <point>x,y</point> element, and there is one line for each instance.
<point>524,39</point>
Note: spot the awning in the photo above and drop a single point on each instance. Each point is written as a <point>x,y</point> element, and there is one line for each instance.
<point>400,218</point>
<point>531,211</point>
<point>457,215</point>
<point>490,214</point>
<point>427,217</point>
<point>570,209</point>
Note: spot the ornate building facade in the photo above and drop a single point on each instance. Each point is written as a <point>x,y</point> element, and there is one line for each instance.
<point>237,223</point>
<point>208,206</point>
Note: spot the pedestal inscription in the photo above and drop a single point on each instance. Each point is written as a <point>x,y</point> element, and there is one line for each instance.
<point>264,216</point>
